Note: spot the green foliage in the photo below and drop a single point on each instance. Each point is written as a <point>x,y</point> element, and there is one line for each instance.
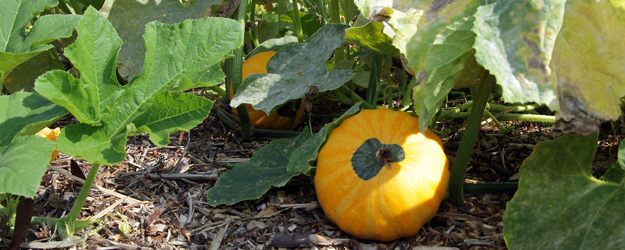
<point>293,70</point>
<point>17,46</point>
<point>372,37</point>
<point>23,155</point>
<point>272,166</point>
<point>250,180</point>
<point>559,205</point>
<point>130,17</point>
<point>151,102</point>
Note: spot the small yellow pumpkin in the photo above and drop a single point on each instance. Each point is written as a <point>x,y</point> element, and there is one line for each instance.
<point>50,134</point>
<point>379,177</point>
<point>286,116</point>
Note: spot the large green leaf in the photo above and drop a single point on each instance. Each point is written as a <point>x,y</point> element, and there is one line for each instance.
<point>266,169</point>
<point>416,24</point>
<point>178,57</point>
<point>559,205</point>
<point>23,163</point>
<point>16,46</point>
<point>446,61</point>
<point>24,156</point>
<point>129,17</point>
<point>293,70</point>
<point>25,114</point>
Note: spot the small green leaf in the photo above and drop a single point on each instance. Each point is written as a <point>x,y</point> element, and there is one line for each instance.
<point>129,17</point>
<point>305,156</point>
<point>23,163</point>
<point>293,70</point>
<point>559,205</point>
<point>266,169</point>
<point>25,114</point>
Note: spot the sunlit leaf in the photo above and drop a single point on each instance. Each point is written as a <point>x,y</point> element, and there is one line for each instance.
<point>179,57</point>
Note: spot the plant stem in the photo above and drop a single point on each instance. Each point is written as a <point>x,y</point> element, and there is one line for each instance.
<point>456,180</point>
<point>374,79</point>
<point>339,54</point>
<point>322,10</point>
<point>63,7</point>
<point>236,74</point>
<point>356,97</point>
<point>297,22</point>
<point>221,92</point>
<point>253,31</point>
<point>82,196</point>
<point>281,5</point>
<point>76,7</point>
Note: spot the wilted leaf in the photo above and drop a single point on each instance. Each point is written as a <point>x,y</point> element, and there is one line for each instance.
<point>16,46</point>
<point>589,65</point>
<point>266,169</point>
<point>559,205</point>
<point>179,57</point>
<point>129,17</point>
<point>293,70</point>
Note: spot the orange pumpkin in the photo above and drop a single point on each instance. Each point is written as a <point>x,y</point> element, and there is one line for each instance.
<point>285,117</point>
<point>379,177</point>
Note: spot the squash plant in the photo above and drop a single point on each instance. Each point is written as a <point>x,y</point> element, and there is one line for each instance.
<point>152,102</point>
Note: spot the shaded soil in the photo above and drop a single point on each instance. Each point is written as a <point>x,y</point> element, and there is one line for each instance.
<point>170,210</point>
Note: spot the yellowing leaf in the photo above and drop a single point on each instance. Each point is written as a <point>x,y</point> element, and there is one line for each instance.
<point>589,65</point>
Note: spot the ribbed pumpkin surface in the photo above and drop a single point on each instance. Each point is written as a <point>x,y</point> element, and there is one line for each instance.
<point>258,64</point>
<point>394,203</point>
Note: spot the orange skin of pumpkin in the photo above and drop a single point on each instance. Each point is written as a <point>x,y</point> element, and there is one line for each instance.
<point>398,201</point>
<point>258,64</point>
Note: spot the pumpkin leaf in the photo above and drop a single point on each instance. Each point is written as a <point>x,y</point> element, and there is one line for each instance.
<point>129,17</point>
<point>559,205</point>
<point>152,102</point>
<point>23,163</point>
<point>616,171</point>
<point>310,22</point>
<point>23,155</point>
<point>372,38</point>
<point>25,114</point>
<point>416,25</point>
<point>273,44</point>
<point>22,77</point>
<point>266,169</point>
<point>16,46</point>
<point>446,61</point>
<point>293,70</point>
<point>304,157</point>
